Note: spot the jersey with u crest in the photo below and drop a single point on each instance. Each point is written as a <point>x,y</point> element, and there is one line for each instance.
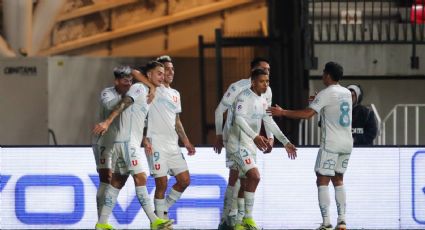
<point>162,114</point>
<point>132,120</point>
<point>230,96</point>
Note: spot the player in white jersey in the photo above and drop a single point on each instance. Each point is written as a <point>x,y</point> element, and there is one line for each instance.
<point>334,104</point>
<point>244,136</point>
<point>102,145</point>
<point>161,144</point>
<point>233,191</point>
<point>126,149</point>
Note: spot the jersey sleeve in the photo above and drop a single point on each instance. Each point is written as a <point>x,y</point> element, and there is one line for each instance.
<point>219,111</point>
<point>230,96</point>
<point>271,125</point>
<point>319,101</point>
<point>269,96</point>
<point>108,99</point>
<point>136,90</point>
<point>178,103</point>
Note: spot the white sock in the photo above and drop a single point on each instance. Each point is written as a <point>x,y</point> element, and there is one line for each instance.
<point>145,201</point>
<point>172,197</point>
<point>249,203</point>
<point>324,202</point>
<point>241,210</point>
<point>340,199</point>
<point>235,195</point>
<point>160,207</point>
<point>227,202</point>
<point>109,201</point>
<point>100,197</point>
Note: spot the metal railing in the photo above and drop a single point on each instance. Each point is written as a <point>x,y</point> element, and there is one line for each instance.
<point>403,123</point>
<point>309,132</point>
<point>371,21</point>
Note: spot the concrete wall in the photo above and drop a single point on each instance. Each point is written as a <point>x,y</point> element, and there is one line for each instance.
<point>371,60</point>
<point>23,101</point>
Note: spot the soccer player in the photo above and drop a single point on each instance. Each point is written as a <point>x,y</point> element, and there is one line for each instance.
<point>334,104</point>
<point>164,130</point>
<point>102,144</point>
<point>244,136</point>
<point>126,149</point>
<point>226,103</point>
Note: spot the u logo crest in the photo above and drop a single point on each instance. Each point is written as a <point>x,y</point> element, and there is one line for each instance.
<point>134,162</point>
<point>157,166</point>
<point>248,161</point>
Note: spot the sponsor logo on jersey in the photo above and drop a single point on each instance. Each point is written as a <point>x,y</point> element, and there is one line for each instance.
<point>239,107</point>
<point>228,94</point>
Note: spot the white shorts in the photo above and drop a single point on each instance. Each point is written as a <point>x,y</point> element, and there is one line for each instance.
<point>166,159</point>
<point>244,159</point>
<point>127,158</point>
<point>103,156</point>
<point>329,163</point>
<point>230,149</point>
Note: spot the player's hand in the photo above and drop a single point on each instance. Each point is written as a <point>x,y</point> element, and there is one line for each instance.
<point>147,146</point>
<point>218,144</point>
<point>261,142</point>
<point>275,111</point>
<point>190,149</point>
<point>291,150</point>
<point>151,95</point>
<point>100,128</point>
<point>312,97</point>
<point>271,143</point>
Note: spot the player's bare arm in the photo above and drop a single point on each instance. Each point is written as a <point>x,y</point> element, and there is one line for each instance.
<point>147,145</point>
<point>219,111</point>
<point>103,126</point>
<point>218,145</point>
<point>142,78</point>
<point>294,114</point>
<point>183,137</point>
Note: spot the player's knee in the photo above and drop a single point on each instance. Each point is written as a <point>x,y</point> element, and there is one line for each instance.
<point>184,182</point>
<point>139,179</point>
<point>105,176</point>
<point>254,176</point>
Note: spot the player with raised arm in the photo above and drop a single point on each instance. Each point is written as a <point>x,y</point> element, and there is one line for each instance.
<point>164,130</point>
<point>244,136</point>
<point>334,104</point>
<point>131,113</point>
<point>102,144</point>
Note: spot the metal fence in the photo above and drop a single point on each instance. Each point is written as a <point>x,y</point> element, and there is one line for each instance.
<point>401,126</point>
<point>378,21</point>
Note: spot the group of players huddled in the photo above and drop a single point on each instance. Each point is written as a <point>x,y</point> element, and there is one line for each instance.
<point>126,106</point>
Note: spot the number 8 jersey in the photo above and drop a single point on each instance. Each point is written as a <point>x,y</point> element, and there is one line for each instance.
<point>334,104</point>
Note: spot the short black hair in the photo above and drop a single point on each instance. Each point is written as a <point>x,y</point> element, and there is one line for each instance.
<point>256,62</point>
<point>163,59</point>
<point>256,73</point>
<point>152,65</point>
<point>335,70</point>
